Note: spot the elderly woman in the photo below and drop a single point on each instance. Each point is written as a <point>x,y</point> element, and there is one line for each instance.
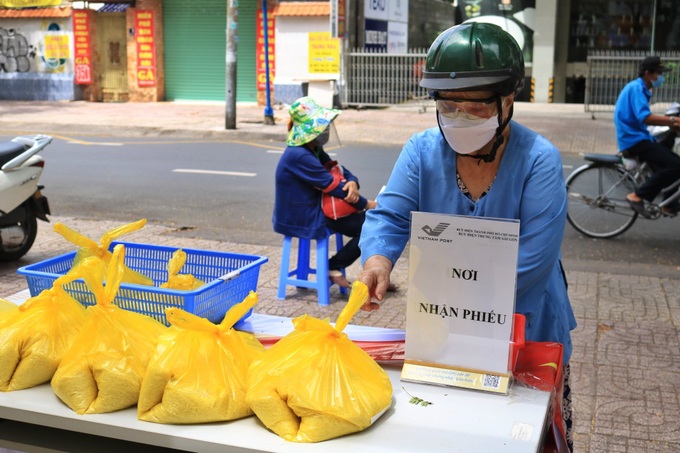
<point>478,162</point>
<point>303,175</point>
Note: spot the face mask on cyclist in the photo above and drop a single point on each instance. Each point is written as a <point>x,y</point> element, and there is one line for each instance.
<point>659,81</point>
<point>466,135</point>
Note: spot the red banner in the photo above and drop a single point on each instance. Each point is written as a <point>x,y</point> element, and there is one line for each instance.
<point>146,49</point>
<point>81,34</point>
<point>260,54</point>
<point>338,19</point>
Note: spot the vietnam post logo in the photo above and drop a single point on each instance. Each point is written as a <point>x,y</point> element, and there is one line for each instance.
<point>436,231</point>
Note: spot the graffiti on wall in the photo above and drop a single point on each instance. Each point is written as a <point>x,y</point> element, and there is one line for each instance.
<point>15,52</point>
<point>43,47</point>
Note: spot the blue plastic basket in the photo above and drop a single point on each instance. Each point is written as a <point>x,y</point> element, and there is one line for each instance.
<point>229,278</point>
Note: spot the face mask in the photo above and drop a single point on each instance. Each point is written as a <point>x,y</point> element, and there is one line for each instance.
<point>659,81</point>
<point>465,135</point>
<point>323,137</point>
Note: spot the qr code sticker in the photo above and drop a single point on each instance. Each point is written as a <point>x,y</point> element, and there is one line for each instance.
<point>491,381</point>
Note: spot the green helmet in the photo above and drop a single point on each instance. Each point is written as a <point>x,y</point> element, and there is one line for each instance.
<point>474,56</point>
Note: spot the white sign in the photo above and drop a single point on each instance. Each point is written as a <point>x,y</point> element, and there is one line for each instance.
<point>393,10</point>
<point>461,291</point>
<point>376,9</point>
<point>398,11</point>
<point>397,37</point>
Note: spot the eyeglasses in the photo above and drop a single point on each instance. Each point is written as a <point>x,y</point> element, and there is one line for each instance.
<point>471,108</point>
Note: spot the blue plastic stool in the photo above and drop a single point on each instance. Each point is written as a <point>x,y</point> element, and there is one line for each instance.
<point>299,277</point>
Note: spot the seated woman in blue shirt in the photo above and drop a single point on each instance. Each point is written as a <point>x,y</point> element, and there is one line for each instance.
<point>302,175</point>
<point>478,162</point>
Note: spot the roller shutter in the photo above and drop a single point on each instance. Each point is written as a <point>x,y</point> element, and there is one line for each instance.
<point>195,50</point>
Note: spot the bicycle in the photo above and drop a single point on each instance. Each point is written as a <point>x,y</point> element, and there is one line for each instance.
<point>596,193</point>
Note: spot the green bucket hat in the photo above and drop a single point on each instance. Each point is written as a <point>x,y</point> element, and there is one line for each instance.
<point>309,120</point>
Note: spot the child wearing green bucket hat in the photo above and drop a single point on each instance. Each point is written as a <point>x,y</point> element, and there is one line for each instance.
<point>308,120</point>
<point>303,175</point>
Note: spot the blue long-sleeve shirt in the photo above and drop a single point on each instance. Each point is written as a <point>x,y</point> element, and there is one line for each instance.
<point>301,178</point>
<point>529,186</point>
<point>632,108</point>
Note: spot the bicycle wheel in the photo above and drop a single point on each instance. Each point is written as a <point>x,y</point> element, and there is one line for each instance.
<point>597,205</point>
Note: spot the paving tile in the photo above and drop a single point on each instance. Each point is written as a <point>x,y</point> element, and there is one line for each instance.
<point>672,290</point>
<point>636,420</point>
<point>617,444</point>
<point>632,298</point>
<point>584,341</point>
<point>644,345</point>
<point>582,359</point>
<point>657,386</point>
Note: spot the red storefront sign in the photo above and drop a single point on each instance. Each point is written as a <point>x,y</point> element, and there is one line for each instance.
<point>146,49</point>
<point>261,70</point>
<point>81,34</point>
<point>338,19</point>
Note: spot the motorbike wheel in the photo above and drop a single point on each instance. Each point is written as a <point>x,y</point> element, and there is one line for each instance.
<point>596,197</point>
<point>30,226</point>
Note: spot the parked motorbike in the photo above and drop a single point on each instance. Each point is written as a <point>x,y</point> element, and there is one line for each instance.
<point>21,200</point>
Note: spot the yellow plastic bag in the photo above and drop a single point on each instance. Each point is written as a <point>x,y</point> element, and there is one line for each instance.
<point>36,336</point>
<point>103,369</point>
<point>6,306</point>
<point>315,384</point>
<point>7,309</point>
<point>88,247</point>
<point>198,373</point>
<point>184,282</point>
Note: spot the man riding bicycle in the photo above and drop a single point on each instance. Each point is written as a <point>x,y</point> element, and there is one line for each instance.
<point>632,115</point>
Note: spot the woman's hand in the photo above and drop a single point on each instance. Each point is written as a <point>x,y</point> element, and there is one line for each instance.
<point>371,204</point>
<point>376,276</point>
<point>352,190</point>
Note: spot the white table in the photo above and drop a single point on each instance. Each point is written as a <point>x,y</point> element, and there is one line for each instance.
<point>458,420</point>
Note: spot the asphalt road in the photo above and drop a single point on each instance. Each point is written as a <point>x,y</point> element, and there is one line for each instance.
<point>212,190</point>
<point>224,191</point>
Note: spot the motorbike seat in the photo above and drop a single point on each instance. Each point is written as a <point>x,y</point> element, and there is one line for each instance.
<point>10,150</point>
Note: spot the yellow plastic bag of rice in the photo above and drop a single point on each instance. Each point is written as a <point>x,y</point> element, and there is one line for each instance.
<point>7,310</point>
<point>6,306</point>
<point>198,372</point>
<point>35,336</point>
<point>315,384</point>
<point>184,282</point>
<point>88,247</point>
<point>102,371</point>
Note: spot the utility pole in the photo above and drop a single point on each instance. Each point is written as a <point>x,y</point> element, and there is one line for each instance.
<point>230,82</point>
<point>651,48</point>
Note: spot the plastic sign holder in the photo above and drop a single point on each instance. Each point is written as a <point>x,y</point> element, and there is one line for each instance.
<point>438,374</point>
<point>460,301</point>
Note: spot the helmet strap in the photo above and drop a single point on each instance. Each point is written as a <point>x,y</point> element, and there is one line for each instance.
<point>499,138</point>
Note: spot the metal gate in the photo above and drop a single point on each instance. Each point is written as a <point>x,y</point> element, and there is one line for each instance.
<point>609,72</point>
<point>383,79</point>
<point>111,42</point>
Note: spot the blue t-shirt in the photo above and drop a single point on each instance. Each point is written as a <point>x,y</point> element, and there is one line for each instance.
<point>632,108</point>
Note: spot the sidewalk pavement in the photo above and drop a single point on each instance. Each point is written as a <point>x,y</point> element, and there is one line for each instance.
<point>626,358</point>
